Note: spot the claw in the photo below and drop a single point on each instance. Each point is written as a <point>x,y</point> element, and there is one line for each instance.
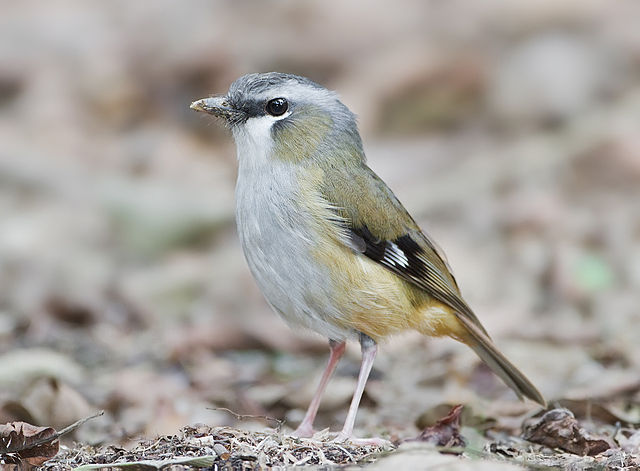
<point>304,431</point>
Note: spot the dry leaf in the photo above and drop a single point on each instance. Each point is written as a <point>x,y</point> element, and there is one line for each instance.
<point>446,431</point>
<point>21,442</point>
<point>558,428</point>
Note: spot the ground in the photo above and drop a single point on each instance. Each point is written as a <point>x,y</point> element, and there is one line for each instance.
<point>509,130</point>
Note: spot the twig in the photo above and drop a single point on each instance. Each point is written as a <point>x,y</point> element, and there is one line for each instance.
<point>249,416</point>
<point>75,425</point>
<point>59,434</point>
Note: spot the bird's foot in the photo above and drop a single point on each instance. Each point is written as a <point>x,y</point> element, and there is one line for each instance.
<point>304,431</point>
<point>374,441</point>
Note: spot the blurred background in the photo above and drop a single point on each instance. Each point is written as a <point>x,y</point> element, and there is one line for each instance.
<point>510,130</point>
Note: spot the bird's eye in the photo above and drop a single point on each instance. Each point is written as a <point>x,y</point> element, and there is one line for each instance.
<point>277,106</point>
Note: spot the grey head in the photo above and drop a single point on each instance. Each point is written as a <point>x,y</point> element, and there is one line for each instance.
<point>290,111</point>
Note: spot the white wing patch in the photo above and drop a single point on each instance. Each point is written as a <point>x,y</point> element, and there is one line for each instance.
<point>395,256</point>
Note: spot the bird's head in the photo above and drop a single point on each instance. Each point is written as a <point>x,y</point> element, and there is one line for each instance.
<point>276,115</point>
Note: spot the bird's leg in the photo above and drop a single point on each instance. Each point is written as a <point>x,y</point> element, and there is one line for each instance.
<point>369,350</point>
<point>305,429</point>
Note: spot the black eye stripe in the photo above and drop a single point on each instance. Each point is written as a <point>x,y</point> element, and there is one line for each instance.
<point>253,108</point>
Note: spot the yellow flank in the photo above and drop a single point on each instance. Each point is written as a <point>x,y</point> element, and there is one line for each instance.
<point>372,299</point>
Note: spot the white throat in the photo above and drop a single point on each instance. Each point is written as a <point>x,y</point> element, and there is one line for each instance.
<point>254,141</point>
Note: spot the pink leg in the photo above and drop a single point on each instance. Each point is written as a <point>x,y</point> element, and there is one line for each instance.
<point>369,350</point>
<point>305,429</point>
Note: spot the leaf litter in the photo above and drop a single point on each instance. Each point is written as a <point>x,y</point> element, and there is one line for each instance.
<point>25,446</point>
<point>556,439</point>
<point>231,449</point>
<point>123,285</point>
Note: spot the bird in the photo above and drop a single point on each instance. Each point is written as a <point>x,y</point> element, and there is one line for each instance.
<point>328,243</point>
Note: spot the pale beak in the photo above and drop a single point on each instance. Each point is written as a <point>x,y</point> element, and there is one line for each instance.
<point>218,106</point>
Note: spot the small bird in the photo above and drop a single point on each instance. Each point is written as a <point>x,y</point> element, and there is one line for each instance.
<point>328,243</point>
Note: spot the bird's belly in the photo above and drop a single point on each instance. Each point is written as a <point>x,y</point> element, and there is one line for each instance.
<point>279,250</point>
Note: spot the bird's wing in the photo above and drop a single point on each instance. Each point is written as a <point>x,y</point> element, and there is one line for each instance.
<point>374,223</point>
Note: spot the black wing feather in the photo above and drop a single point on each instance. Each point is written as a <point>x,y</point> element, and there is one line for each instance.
<point>408,259</point>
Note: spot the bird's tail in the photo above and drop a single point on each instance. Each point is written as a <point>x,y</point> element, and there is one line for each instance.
<point>489,353</point>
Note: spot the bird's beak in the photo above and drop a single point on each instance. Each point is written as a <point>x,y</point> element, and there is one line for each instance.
<point>217,106</point>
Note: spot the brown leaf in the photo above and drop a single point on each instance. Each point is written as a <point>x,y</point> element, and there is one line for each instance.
<point>467,416</point>
<point>31,444</point>
<point>559,428</point>
<point>446,431</point>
